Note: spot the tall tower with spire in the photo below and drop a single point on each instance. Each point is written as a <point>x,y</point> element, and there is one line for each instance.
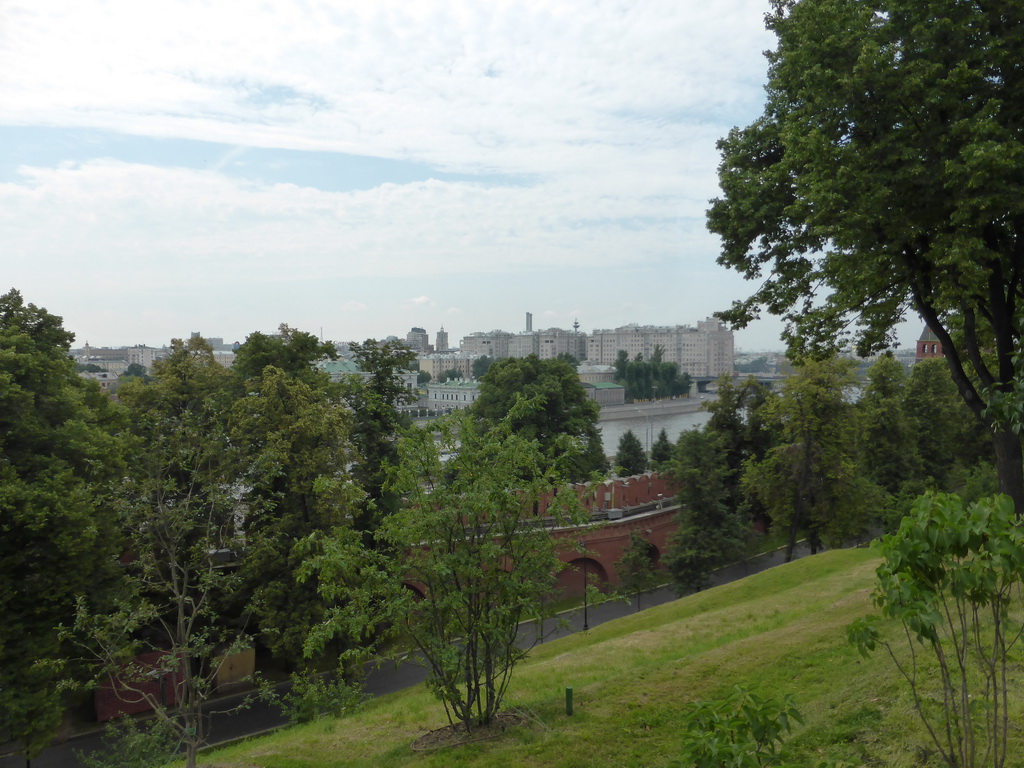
<point>441,345</point>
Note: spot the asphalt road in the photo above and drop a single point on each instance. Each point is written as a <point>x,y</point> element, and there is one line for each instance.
<point>261,717</point>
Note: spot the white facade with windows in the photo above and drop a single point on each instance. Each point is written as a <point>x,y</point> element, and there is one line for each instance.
<point>452,395</point>
<point>706,350</point>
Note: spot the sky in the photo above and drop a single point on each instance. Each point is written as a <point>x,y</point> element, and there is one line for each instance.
<point>354,169</point>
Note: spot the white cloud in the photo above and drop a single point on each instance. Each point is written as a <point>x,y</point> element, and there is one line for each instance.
<point>525,87</point>
<point>162,222</point>
<point>601,115</point>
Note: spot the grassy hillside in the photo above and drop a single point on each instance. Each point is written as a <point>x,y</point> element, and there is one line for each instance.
<point>783,630</point>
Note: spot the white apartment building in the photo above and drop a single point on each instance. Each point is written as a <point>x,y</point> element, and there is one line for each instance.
<point>546,344</point>
<point>706,350</point>
<point>492,343</point>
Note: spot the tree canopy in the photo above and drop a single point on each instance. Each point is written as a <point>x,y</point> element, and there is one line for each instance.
<point>630,458</point>
<point>809,480</point>
<point>179,512</point>
<point>58,454</point>
<point>650,379</point>
<point>711,532</point>
<point>661,451</point>
<point>293,441</point>
<point>886,175</point>
<point>374,401</point>
<point>481,365</point>
<point>291,350</point>
<point>485,571</point>
<point>566,411</point>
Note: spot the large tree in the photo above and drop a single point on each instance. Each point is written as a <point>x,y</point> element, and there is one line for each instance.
<point>58,455</point>
<point>890,456</point>
<point>886,175</point>
<point>810,481</point>
<point>465,538</point>
<point>661,450</point>
<point>711,531</point>
<point>293,441</point>
<point>180,509</point>
<point>374,399</point>
<point>739,418</point>
<point>949,439</point>
<point>630,459</point>
<point>290,350</point>
<point>566,412</point>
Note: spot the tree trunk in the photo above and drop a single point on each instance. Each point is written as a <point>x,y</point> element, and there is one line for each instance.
<point>1009,466</point>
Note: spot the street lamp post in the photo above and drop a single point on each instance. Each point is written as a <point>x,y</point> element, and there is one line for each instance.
<point>585,623</point>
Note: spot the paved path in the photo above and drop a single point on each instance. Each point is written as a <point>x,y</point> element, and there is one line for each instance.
<point>388,678</point>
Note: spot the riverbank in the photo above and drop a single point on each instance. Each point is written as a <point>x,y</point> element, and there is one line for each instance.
<point>652,408</point>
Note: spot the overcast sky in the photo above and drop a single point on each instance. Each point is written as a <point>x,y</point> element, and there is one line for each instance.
<point>363,167</point>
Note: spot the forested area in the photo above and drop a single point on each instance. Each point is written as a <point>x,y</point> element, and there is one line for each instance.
<point>176,520</point>
<point>827,458</point>
<point>209,510</point>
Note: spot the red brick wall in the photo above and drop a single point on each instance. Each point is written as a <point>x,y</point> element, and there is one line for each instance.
<point>604,546</point>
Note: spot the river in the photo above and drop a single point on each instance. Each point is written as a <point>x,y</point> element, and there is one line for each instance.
<point>649,419</point>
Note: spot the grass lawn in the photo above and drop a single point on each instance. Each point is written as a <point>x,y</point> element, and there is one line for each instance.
<point>782,631</point>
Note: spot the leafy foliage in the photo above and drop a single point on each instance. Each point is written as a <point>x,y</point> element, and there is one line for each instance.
<point>883,177</point>
<point>953,577</point>
<point>949,438</point>
<point>135,370</point>
<point>481,365</point>
<point>294,448</point>
<point>630,458</point>
<point>564,411</point>
<point>661,451</point>
<point>126,744</point>
<point>465,539</point>
<point>374,401</point>
<point>709,532</point>
<point>637,568</point>
<point>290,350</point>
<point>739,418</point>
<point>179,510</point>
<point>58,459</point>
<point>647,380</point>
<point>810,480</point>
<point>313,696</point>
<point>890,458</point>
<point>742,730</point>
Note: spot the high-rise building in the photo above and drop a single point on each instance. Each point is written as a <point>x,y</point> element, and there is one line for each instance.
<point>417,340</point>
<point>441,345</point>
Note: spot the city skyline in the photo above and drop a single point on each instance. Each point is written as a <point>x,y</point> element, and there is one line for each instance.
<point>369,167</point>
